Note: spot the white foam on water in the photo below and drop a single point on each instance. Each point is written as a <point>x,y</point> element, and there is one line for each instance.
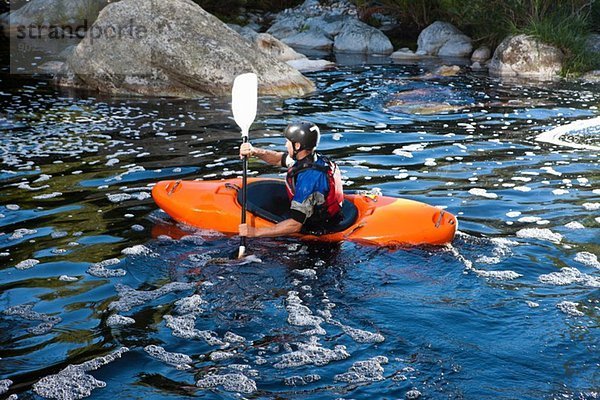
<point>541,234</point>
<point>551,171</point>
<point>311,353</point>
<point>364,371</point>
<point>413,394</point>
<point>178,360</point>
<point>306,273</point>
<point>47,196</point>
<point>529,219</point>
<point>532,304</point>
<point>522,188</point>
<point>25,311</point>
<point>190,305</point>
<point>138,249</point>
<point>26,186</point>
<point>130,298</point>
<point>67,278</point>
<point>559,192</point>
<point>554,136</point>
<point>26,264</point>
<point>500,275</point>
<point>137,227</point>
<point>4,385</point>
<point>482,193</point>
<point>513,214</point>
<point>116,320</point>
<point>300,315</point>
<point>591,206</point>
<point>184,327</point>
<point>220,355</point>
<point>73,382</point>
<point>12,207</point>
<point>568,276</point>
<point>230,382</point>
<point>589,259</point>
<point>597,219</point>
<point>99,270</point>
<point>570,308</point>
<point>232,338</point>
<point>21,233</point>
<point>297,380</point>
<point>574,225</point>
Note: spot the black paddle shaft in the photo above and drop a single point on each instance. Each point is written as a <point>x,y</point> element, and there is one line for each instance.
<point>244,188</point>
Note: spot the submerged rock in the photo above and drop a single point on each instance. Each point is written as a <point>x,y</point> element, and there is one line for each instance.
<point>524,56</point>
<point>172,48</point>
<point>445,40</point>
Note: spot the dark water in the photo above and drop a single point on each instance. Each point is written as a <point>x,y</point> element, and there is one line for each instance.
<point>492,316</point>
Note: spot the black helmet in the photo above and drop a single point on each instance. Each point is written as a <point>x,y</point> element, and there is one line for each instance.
<point>305,133</point>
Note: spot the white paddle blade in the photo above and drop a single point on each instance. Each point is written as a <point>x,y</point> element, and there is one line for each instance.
<point>244,98</point>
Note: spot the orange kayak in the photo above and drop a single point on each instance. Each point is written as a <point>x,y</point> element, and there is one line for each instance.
<point>370,219</point>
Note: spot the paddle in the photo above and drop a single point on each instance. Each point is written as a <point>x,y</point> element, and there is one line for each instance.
<point>243,104</point>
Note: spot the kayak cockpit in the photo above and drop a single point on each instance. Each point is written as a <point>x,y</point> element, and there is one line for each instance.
<point>269,200</point>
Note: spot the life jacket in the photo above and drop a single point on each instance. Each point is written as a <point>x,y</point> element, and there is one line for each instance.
<point>334,196</point>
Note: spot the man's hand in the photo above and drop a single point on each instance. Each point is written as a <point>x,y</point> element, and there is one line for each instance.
<point>246,149</point>
<point>247,231</point>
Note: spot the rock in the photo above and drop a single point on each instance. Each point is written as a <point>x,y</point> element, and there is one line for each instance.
<point>524,56</point>
<point>313,38</point>
<point>358,37</point>
<point>51,67</point>
<point>482,54</point>
<point>443,39</point>
<point>304,64</point>
<point>276,48</point>
<point>591,77</point>
<point>286,26</point>
<point>71,13</point>
<point>405,54</point>
<point>593,43</point>
<point>175,48</point>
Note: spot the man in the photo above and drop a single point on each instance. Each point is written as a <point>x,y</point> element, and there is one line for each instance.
<point>314,183</point>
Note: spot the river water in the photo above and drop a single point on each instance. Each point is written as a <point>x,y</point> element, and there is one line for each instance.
<point>510,310</point>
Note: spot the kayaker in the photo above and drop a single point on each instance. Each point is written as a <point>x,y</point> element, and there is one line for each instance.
<point>314,183</point>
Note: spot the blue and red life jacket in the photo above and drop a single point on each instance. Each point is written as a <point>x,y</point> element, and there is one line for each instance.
<point>334,196</point>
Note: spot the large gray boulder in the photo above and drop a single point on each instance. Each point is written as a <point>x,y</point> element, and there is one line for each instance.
<point>358,37</point>
<point>524,56</point>
<point>445,40</point>
<point>313,38</point>
<point>71,13</point>
<point>175,48</point>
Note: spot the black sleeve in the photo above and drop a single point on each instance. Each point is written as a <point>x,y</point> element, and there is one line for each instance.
<point>283,157</point>
<point>298,216</point>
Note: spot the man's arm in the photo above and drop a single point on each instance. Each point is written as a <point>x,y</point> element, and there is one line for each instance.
<point>268,156</point>
<point>283,228</point>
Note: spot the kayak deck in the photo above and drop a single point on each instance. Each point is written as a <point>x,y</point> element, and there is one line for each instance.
<point>378,220</point>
